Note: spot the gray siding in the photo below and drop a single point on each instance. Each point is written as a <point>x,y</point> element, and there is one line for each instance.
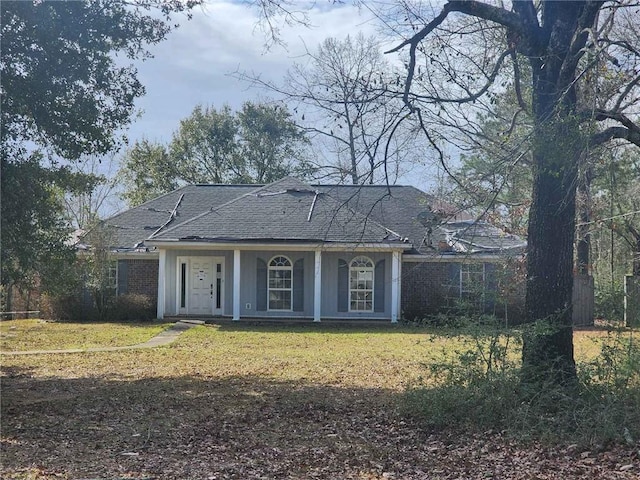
<point>330,284</point>
<point>172,277</point>
<point>248,282</point>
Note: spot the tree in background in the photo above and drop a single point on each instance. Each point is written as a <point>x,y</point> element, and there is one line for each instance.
<point>63,96</point>
<point>342,99</point>
<point>615,227</point>
<point>203,148</point>
<point>495,171</point>
<point>462,54</point>
<point>146,171</point>
<point>88,202</point>
<point>271,145</point>
<point>258,144</point>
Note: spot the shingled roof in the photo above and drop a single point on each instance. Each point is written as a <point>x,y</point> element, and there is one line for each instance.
<point>290,210</point>
<point>406,210</point>
<point>131,227</point>
<point>287,210</point>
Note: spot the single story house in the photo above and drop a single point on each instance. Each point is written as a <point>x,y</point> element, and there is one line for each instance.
<point>293,250</point>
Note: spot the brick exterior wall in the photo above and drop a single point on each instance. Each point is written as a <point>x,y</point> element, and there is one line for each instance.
<point>426,289</point>
<point>142,278</point>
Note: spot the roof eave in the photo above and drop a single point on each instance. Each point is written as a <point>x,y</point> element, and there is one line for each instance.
<point>278,244</point>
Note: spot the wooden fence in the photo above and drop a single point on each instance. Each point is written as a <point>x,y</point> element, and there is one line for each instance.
<point>583,300</point>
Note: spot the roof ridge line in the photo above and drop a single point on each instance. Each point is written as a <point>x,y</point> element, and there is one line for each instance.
<point>367,218</point>
<point>218,207</point>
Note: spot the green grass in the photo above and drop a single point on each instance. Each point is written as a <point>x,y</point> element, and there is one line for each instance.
<point>33,334</point>
<point>380,357</point>
<point>243,401</point>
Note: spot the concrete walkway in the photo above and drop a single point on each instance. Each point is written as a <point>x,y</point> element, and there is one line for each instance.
<point>163,338</point>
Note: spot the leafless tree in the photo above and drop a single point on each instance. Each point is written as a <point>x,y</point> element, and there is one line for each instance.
<point>461,54</point>
<point>341,96</point>
<point>84,207</point>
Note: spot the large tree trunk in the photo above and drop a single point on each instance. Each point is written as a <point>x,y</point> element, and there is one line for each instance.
<point>552,35</point>
<point>547,354</point>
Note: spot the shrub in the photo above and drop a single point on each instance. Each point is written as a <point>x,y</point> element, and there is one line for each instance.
<point>130,308</point>
<point>478,388</point>
<point>69,308</point>
<point>72,308</point>
<point>609,302</point>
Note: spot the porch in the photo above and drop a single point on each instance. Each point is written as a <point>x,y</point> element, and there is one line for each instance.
<point>280,283</point>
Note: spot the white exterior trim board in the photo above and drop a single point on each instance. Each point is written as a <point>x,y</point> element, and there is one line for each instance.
<point>294,247</point>
<point>410,258</point>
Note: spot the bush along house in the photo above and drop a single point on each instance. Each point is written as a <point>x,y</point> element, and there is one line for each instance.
<point>291,250</point>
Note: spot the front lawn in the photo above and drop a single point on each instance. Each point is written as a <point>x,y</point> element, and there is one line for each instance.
<point>33,334</point>
<point>258,402</point>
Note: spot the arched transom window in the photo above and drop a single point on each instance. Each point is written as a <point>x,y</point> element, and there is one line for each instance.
<point>361,284</point>
<point>280,283</point>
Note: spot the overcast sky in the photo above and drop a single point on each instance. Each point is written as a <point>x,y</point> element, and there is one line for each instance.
<point>193,65</point>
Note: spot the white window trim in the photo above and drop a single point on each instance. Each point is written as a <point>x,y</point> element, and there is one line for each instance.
<point>187,261</point>
<point>269,289</point>
<point>373,280</point>
<point>112,276</point>
<point>483,283</point>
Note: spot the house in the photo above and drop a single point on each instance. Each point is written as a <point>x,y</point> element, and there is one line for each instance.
<point>293,250</point>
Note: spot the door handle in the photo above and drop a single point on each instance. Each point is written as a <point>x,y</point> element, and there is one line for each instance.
<point>211,291</point>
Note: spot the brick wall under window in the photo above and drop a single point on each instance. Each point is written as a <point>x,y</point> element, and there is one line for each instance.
<point>426,288</point>
<point>429,288</point>
<point>141,278</point>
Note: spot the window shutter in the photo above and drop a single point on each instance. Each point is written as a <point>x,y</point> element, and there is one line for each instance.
<point>491,284</point>
<point>298,286</point>
<point>123,273</point>
<point>343,286</point>
<point>454,281</point>
<point>378,287</point>
<point>261,285</point>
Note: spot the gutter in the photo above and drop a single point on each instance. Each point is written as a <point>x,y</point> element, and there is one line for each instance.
<point>282,245</point>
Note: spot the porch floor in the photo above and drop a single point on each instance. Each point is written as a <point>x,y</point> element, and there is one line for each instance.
<point>218,320</point>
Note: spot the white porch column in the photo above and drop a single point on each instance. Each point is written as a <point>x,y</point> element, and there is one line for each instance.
<point>162,264</point>
<point>236,285</point>
<point>395,286</point>
<point>317,288</point>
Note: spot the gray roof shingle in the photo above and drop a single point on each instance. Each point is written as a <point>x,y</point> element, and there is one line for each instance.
<point>135,225</point>
<point>286,210</point>
<point>402,209</point>
<point>292,211</point>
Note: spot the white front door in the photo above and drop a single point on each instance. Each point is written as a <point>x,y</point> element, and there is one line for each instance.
<point>200,285</point>
<point>201,288</point>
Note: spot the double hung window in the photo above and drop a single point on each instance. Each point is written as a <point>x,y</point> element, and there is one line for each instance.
<point>280,283</point>
<point>472,280</point>
<point>361,274</point>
